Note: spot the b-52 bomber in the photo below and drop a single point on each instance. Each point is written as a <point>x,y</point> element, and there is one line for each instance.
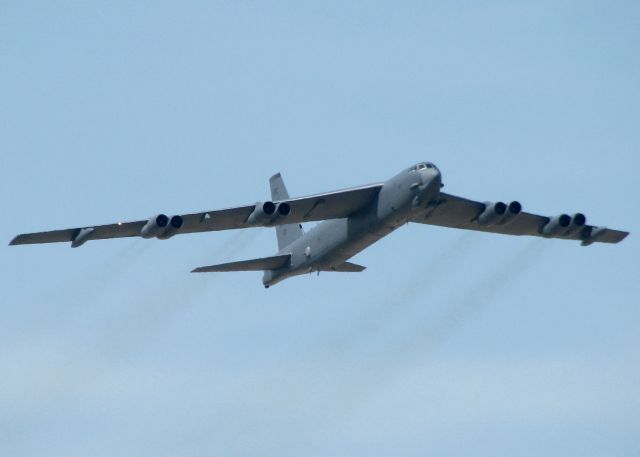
<point>352,220</point>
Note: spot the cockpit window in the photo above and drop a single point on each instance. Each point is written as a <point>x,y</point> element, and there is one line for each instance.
<point>422,166</point>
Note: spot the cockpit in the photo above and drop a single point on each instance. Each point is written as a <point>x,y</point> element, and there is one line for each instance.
<point>422,166</point>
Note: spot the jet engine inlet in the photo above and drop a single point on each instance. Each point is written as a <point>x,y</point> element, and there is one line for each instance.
<point>154,226</point>
<point>578,221</point>
<point>284,209</point>
<point>175,224</point>
<point>262,213</point>
<point>492,213</point>
<point>557,225</point>
<point>515,207</point>
<point>513,211</point>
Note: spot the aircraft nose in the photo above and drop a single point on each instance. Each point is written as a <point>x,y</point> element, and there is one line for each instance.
<point>436,179</point>
<point>438,175</point>
<point>430,174</point>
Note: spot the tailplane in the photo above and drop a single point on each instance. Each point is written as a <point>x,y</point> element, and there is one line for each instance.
<point>287,233</point>
<point>347,267</point>
<point>265,263</point>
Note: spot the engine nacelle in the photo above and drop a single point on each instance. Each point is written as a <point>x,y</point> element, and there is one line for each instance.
<point>262,213</point>
<point>267,212</point>
<point>284,209</point>
<point>557,225</point>
<point>154,226</point>
<point>492,213</point>
<point>578,221</point>
<point>513,211</point>
<point>174,226</point>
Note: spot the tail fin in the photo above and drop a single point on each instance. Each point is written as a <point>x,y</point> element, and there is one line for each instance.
<point>287,233</point>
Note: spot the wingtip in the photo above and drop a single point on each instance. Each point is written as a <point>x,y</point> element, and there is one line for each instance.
<point>621,235</point>
<point>14,241</point>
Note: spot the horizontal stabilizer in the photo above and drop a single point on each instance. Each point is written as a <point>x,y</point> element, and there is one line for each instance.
<point>265,263</point>
<point>348,267</point>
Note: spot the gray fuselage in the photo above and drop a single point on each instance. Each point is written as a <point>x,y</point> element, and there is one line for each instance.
<point>331,243</point>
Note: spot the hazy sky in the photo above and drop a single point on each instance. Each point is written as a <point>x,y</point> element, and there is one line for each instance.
<point>449,344</point>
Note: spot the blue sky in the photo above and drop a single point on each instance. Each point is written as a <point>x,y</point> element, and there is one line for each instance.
<point>450,343</point>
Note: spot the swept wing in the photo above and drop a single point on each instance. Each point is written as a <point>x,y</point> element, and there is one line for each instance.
<point>329,205</point>
<point>457,212</point>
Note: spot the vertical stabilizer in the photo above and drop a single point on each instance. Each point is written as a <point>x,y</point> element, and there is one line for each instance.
<point>287,233</point>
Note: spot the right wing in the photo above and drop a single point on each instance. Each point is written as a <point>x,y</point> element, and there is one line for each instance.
<point>329,205</point>
<point>457,212</point>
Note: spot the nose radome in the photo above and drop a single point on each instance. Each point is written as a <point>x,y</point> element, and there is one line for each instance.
<point>439,174</point>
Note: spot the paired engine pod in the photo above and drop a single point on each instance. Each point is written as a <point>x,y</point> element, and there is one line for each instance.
<point>265,212</point>
<point>492,213</point>
<point>175,224</point>
<point>578,221</point>
<point>557,225</point>
<point>162,227</point>
<point>261,213</point>
<point>154,226</point>
<point>513,210</point>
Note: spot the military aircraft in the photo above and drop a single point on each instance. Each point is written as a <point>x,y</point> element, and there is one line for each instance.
<point>352,220</point>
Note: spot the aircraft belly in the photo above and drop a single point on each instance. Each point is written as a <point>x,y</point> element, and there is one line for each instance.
<point>348,238</point>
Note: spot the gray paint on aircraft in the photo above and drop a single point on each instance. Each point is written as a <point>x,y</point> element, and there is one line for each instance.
<point>351,220</point>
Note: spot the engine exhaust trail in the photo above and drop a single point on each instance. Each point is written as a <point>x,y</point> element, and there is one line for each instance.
<point>122,335</point>
<point>177,295</point>
<point>478,296</point>
<point>368,370</point>
<point>428,334</point>
<point>96,281</point>
<point>400,304</point>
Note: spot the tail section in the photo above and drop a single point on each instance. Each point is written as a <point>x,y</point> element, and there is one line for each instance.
<point>287,233</point>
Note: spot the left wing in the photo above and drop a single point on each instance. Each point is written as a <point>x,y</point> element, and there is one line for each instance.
<point>456,212</point>
<point>329,205</point>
